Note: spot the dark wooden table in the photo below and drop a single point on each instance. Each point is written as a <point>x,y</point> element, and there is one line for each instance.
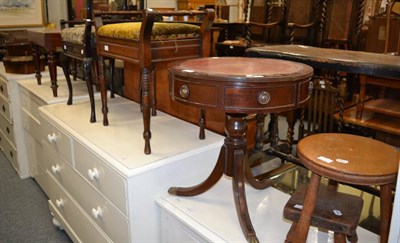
<point>238,86</point>
<point>50,41</point>
<point>373,68</point>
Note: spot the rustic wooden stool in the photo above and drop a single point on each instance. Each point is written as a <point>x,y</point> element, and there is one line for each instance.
<point>350,159</point>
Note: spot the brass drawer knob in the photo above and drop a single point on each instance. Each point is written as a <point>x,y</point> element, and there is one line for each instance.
<point>263,97</point>
<point>184,91</point>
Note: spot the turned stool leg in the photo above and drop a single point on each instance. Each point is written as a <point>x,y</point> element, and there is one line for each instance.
<point>290,234</point>
<point>386,211</point>
<point>308,209</point>
<point>339,238</point>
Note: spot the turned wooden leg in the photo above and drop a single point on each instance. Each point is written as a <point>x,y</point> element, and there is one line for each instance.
<point>53,72</point>
<point>339,238</point>
<point>111,78</point>
<point>202,124</point>
<point>153,92</point>
<point>361,97</point>
<point>103,91</point>
<point>36,62</point>
<point>146,108</point>
<point>386,211</point>
<point>310,199</point>
<point>290,234</point>
<point>260,120</point>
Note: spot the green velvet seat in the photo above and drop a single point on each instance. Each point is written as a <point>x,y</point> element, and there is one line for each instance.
<point>160,31</point>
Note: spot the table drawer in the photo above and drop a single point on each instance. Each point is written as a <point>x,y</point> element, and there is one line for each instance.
<point>77,220</point>
<point>31,125</point>
<point>102,177</point>
<point>9,150</point>
<point>3,88</point>
<point>30,105</point>
<point>57,140</point>
<point>259,97</point>
<point>7,128</point>
<point>195,93</point>
<point>5,108</point>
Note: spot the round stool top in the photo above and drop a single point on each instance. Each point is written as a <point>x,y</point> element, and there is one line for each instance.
<point>349,158</point>
<point>240,84</point>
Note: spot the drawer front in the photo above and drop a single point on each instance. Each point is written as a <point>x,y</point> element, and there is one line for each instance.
<point>29,105</point>
<point>31,125</point>
<point>58,140</point>
<point>194,93</point>
<point>3,88</point>
<point>7,128</point>
<point>5,108</point>
<point>81,225</point>
<point>10,151</point>
<point>102,212</point>
<point>101,176</point>
<point>259,98</point>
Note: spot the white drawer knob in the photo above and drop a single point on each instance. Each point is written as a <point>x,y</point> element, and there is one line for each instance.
<point>52,137</point>
<point>93,174</point>
<point>60,203</point>
<point>56,169</point>
<point>97,213</point>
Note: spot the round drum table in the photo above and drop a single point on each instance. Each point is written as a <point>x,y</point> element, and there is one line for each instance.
<point>238,86</point>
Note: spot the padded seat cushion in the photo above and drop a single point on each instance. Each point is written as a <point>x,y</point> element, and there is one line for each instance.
<point>161,31</point>
<point>74,34</point>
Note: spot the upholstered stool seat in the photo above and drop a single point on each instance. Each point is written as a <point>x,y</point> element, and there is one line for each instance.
<point>349,159</point>
<point>75,34</point>
<point>160,31</point>
<point>334,211</point>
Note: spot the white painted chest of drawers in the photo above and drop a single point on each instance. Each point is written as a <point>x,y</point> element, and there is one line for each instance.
<point>103,186</point>
<point>31,97</point>
<point>11,135</point>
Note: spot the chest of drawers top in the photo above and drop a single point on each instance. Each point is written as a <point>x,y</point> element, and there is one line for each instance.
<point>120,143</point>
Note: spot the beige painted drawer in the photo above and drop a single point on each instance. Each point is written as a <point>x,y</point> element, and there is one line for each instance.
<point>3,88</point>
<point>103,212</point>
<point>58,140</point>
<point>102,177</point>
<point>10,151</point>
<point>81,225</point>
<point>31,124</point>
<point>7,128</point>
<point>5,108</point>
<point>29,105</point>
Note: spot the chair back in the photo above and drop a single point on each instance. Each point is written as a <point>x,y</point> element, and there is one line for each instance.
<point>321,108</point>
<point>389,11</point>
<point>343,23</point>
<point>305,21</point>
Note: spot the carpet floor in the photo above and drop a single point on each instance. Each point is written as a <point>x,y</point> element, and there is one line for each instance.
<point>24,212</point>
